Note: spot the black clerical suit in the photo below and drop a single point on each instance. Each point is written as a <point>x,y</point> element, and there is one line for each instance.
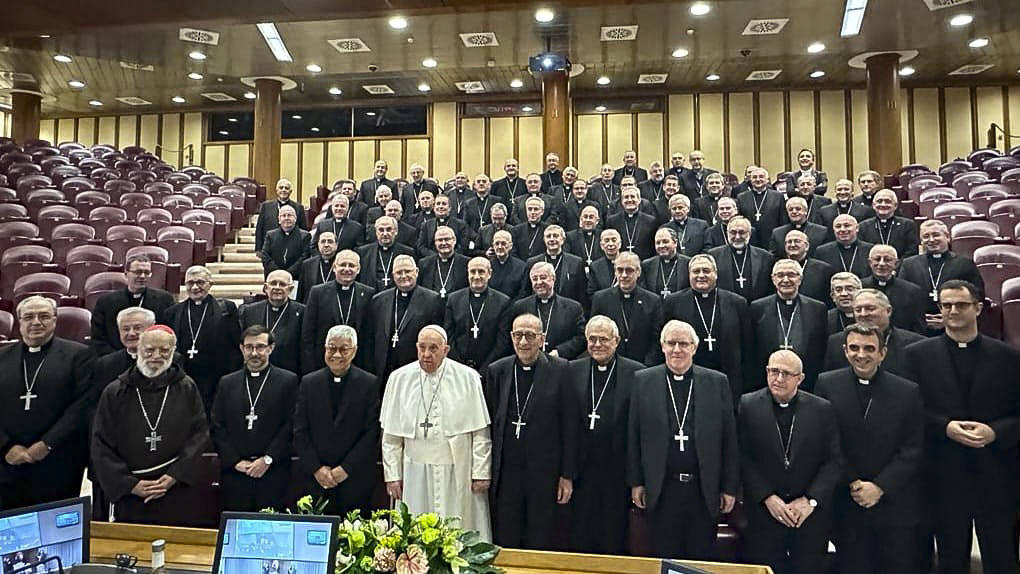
<point>562,320</point>
<point>572,212</point>
<point>606,194</point>
<point>571,280</point>
<point>881,430</point>
<point>528,239</point>
<point>105,334</point>
<point>728,321</point>
<point>377,264</point>
<point>476,211</point>
<point>508,276</point>
<point>637,232</point>
<point>852,258</point>
<point>551,178</point>
<point>349,233</point>
<point>692,182</point>
<point>126,448</point>
<point>752,263</point>
<point>816,235</point>
<point>683,477</point>
<point>837,321</point>
<point>815,203</point>
<point>285,322</point>
<point>443,277</point>
<point>584,244</point>
<point>665,276</point>
<point>830,212</point>
<point>601,275</point>
<point>552,211</point>
<point>907,299</point>
<point>398,315</point>
<point>366,192</point>
<point>601,493</point>
<point>284,250</point>
<point>821,180</point>
<point>929,271</point>
<point>639,174</point>
<point>815,280</point>
<point>407,234</point>
<point>716,236</point>
<point>216,351</point>
<point>508,189</point>
<point>705,207</point>
<point>972,383</point>
<point>484,239</point>
<point>528,463</point>
<point>635,314</point>
<point>45,398</point>
<point>427,235</point>
<point>409,195</point>
<point>313,271</point>
<point>270,397</point>
<point>766,211</point>
<point>269,219</point>
<point>899,232</point>
<point>805,434</point>
<point>467,311</point>
<point>895,361</point>
<point>331,304</point>
<point>807,334</point>
<point>691,235</point>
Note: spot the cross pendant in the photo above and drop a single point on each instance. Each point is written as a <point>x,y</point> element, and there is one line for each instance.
<point>152,439</point>
<point>442,292</point>
<point>934,295</point>
<point>474,331</point>
<point>757,217</point>
<point>786,463</point>
<point>591,420</point>
<point>544,345</point>
<point>682,437</point>
<point>251,417</point>
<point>192,352</point>
<point>786,346</point>
<point>395,339</point>
<point>385,281</point>
<point>710,340</point>
<point>518,423</point>
<point>27,397</point>
<point>630,247</point>
<point>741,280</point>
<point>587,261</point>
<point>665,292</point>
<point>425,426</point>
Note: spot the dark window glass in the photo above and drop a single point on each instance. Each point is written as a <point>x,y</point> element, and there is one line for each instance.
<point>231,126</point>
<point>317,123</point>
<point>391,121</point>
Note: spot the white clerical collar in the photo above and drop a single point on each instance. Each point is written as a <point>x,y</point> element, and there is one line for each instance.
<point>479,294</point>
<point>805,172</point>
<point>960,344</point>
<point>255,373</point>
<point>132,355</point>
<point>783,405</point>
<point>275,308</point>
<point>544,301</point>
<point>626,295</point>
<point>739,250</point>
<point>197,303</point>
<point>602,367</point>
<point>337,379</point>
<point>936,255</point>
<point>345,287</point>
<point>678,377</point>
<point>525,367</point>
<point>404,293</point>
<point>632,214</point>
<point>137,295</point>
<point>705,294</point>
<point>34,349</point>
<point>788,301</point>
<point>883,282</point>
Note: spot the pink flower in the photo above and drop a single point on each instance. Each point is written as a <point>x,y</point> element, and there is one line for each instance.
<point>385,559</point>
<point>414,561</point>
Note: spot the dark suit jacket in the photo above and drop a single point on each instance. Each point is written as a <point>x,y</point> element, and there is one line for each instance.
<point>882,443</point>
<point>427,235</point>
<point>269,219</point>
<point>284,251</point>
<point>655,275</point>
<point>105,334</point>
<point>639,341</point>
<point>407,234</point>
<point>693,236</point>
<point>715,435</point>
<point>565,332</point>
<point>816,279</point>
<point>983,479</point>
<point>618,412</point>
<point>895,362</point>
<point>704,208</point>
<point>606,195</point>
<point>528,240</point>
<point>639,174</point>
<point>692,183</point>
<point>310,274</point>
<point>759,270</point>
<point>572,212</point>
<point>837,322</point>
<point>553,209</point>
<point>902,236</point>
<point>808,340</point>
<point>367,189</point>
<point>430,276</point>
<point>908,301</point>
<point>508,277</point>
<point>551,179</point>
<point>579,243</point>
<point>571,280</point>
<point>348,437</point>
<point>287,354</point>
<point>773,214</point>
<point>915,269</point>
<point>508,190</point>
<point>370,264</point>
<point>815,205</point>
<point>854,259</point>
<point>458,196</point>
<point>821,181</point>
<point>424,308</point>
<point>218,342</point>
<point>492,341</point>
<point>816,234</point>
<point>829,212</point>
<point>642,230</point>
<point>483,240</point>
<point>272,430</point>
<point>600,276</point>
<point>475,211</point>
<point>409,195</point>
<point>350,233</point>
<point>323,312</point>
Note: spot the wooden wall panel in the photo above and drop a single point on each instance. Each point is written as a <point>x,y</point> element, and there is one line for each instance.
<point>989,111</point>
<point>1013,126</point>
<point>108,130</point>
<point>311,169</point>
<point>289,162</point>
<point>65,130</point>
<point>681,123</point>
<point>959,142</point>
<point>802,124</point>
<point>171,142</point>
<point>48,130</point>
<point>417,153</point>
<point>927,137</point>
<point>740,128</point>
<point>833,142</point>
<point>148,134</point>
<point>529,133</point>
<point>649,140</point>
<point>338,162</point>
<point>619,137</point>
<point>905,125</point>
<point>444,140</point>
<point>215,158</point>
<point>859,121</point>
<point>501,145</point>
<point>392,152</point>
<point>589,145</point>
<point>472,146</point>
<point>364,159</point>
<point>771,134</point>
<point>86,131</point>
<point>238,155</point>
<point>192,137</point>
<point>710,120</point>
<point>127,131</point>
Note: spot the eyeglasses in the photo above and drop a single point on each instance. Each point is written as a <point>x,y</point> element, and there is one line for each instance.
<point>774,373</point>
<point>956,305</point>
<point>196,283</point>
<point>343,350</point>
<point>259,348</point>
<point>684,345</point>
<point>786,275</point>
<point>599,340</point>
<point>41,317</point>
<point>529,336</point>
<point>141,272</point>
<point>277,283</point>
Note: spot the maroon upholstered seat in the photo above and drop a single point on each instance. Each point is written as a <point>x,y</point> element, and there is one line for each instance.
<point>77,155</point>
<point>67,147</point>
<point>72,186</point>
<point>212,181</point>
<point>118,187</point>
<point>100,284</point>
<point>179,241</point>
<point>49,163</point>
<point>6,325</point>
<point>17,233</point>
<point>978,157</point>
<point>194,172</point>
<point>997,263</point>
<point>133,202</point>
<point>1005,213</point>
<point>52,285</point>
<point>969,235</point>
<point>8,194</point>
<point>177,204</point>
<point>27,183</point>
<point>965,181</point>
<point>996,165</point>
<point>954,212</point>
<point>21,260</point>
<point>36,199</point>
<point>121,238</point>
<point>74,323</point>
<point>220,207</point>
<point>196,191</point>
<point>12,210</point>
<point>86,201</point>
<point>203,224</point>
<point>67,236</point>
<point>51,216</point>
<point>986,194</point>
<point>84,261</point>
<point>141,177</point>
<point>105,217</point>
<point>161,264</point>
<point>178,180</point>
<point>63,172</point>
<point>133,150</point>
<point>1011,311</point>
<point>20,170</point>
<point>153,219</point>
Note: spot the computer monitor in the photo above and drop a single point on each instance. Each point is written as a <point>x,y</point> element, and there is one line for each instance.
<point>36,534</point>
<point>260,543</point>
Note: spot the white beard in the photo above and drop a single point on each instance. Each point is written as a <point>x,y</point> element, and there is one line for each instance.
<point>151,373</point>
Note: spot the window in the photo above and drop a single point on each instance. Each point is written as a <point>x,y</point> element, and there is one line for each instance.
<point>231,126</point>
<point>391,121</point>
<point>317,123</point>
<point>338,122</point>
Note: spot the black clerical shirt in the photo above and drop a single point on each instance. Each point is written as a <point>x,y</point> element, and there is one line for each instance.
<point>706,302</point>
<point>336,393</point>
<point>597,441</point>
<point>514,451</point>
<point>965,363</point>
<point>785,426</point>
<point>681,461</point>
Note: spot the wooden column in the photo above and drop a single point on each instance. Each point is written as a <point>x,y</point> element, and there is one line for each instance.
<point>556,116</point>
<point>26,108</point>
<point>885,135</point>
<point>268,137</point>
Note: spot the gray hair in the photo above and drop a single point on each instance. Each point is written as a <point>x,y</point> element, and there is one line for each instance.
<point>602,321</point>
<point>498,206</point>
<point>883,299</point>
<point>35,299</point>
<point>342,332</point>
<point>148,316</point>
<point>196,269</point>
<point>544,265</point>
<point>683,326</point>
<point>846,276</point>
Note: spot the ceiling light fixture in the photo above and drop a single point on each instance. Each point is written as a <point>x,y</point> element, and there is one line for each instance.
<point>195,76</point>
<point>429,62</point>
<point>95,103</point>
<point>907,71</point>
<point>274,41</point>
<point>62,59</point>
<point>295,117</point>
<point>712,77</point>
<point>250,95</point>
<point>544,15</point>
<point>316,130</point>
<point>603,81</point>
<point>76,84</point>
<point>816,48</point>
<point>527,109</point>
<point>818,74</point>
<point>335,91</point>
<point>516,83</point>
<point>961,20</point>
<point>224,133</point>
<point>978,43</point>
<point>177,100</point>
<point>398,22</point>
<point>370,114</point>
<point>232,120</point>
<point>853,17</point>
<point>196,55</point>
<point>680,53</point>
<point>44,36</point>
<point>700,9</point>
<point>313,68</point>
<point>600,108</point>
<point>423,87</point>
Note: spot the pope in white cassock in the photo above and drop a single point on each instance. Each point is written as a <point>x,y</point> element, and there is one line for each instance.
<point>437,454</point>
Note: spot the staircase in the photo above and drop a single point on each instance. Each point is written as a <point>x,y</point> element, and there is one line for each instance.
<point>239,270</point>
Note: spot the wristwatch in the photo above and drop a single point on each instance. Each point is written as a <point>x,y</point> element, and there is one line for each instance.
<point>812,502</point>
<point>267,459</point>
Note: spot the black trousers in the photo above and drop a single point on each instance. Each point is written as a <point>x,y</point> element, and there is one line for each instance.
<point>868,545</point>
<point>679,525</point>
<point>788,550</point>
<point>242,493</point>
<point>598,517</point>
<point>525,513</point>
<point>342,499</point>
<point>56,477</point>
<point>997,539</point>
<point>182,505</point>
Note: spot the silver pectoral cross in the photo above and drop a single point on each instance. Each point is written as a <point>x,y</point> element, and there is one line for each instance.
<point>710,340</point>
<point>395,339</point>
<point>251,417</point>
<point>425,426</point>
<point>741,280</point>
<point>934,295</point>
<point>786,346</point>
<point>27,397</point>
<point>442,292</point>
<point>591,420</point>
<point>518,423</point>
<point>385,281</point>
<point>192,352</point>
<point>474,331</point>
<point>682,437</point>
<point>665,291</point>
<point>152,439</point>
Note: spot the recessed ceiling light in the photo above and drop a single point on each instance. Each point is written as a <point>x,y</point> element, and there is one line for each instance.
<point>195,76</point>
<point>370,114</point>
<point>275,41</point>
<point>224,133</point>
<point>712,77</point>
<point>429,62</point>
<point>295,117</point>
<point>816,48</point>
<point>680,53</point>
<point>335,91</point>
<point>423,87</point>
<point>600,108</point>
<point>250,95</point>
<point>516,83</point>
<point>853,17</point>
<point>603,81</point>
<point>527,109</point>
<point>978,43</point>
<point>76,84</point>
<point>62,58</point>
<point>44,36</point>
<point>196,55</point>
<point>316,130</point>
<point>398,22</point>
<point>907,71</point>
<point>700,8</point>
<point>177,100</point>
<point>232,120</point>
<point>313,68</point>
<point>817,74</point>
<point>961,20</point>
<point>544,15</point>
<point>95,103</point>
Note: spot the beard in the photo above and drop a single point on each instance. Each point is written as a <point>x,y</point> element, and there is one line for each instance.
<point>151,373</point>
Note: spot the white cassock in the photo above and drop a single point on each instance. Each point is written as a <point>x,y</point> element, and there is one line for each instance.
<point>438,463</point>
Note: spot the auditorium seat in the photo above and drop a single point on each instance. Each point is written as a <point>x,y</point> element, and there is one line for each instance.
<point>965,181</point>
<point>74,323</point>
<point>121,238</point>
<point>203,224</point>
<point>86,201</point>
<point>921,182</point>
<point>158,190</point>
<point>47,284</point>
<point>18,233</point>
<point>13,212</point>
<point>118,187</point>
<point>104,217</point>
<point>62,173</point>
<point>132,150</point>
<point>67,147</point>
<point>177,204</point>
<point>164,273</point>
<point>104,174</point>
<point>212,181</point>
<point>133,202</point>
<point>179,242</point>
<point>39,198</point>
<point>1011,311</point>
<point>997,263</point>
<point>67,236</point>
<point>89,165</point>
<point>196,191</point>
<point>220,208</point>
<point>42,152</point>
<point>84,261</point>
<point>979,156</point>
<point>7,326</point>
<point>48,164</point>
<point>953,212</point>
<point>27,183</point>
<point>21,260</point>
<point>101,283</point>
<point>193,171</point>
<point>7,194</point>
<point>77,155</point>
<point>178,180</point>
<point>982,196</point>
<point>995,166</point>
<point>1006,214</point>
<point>970,235</point>
<point>929,198</point>
<point>126,166</point>
<point>72,186</point>
<point>50,216</point>
<point>153,219</point>
<point>11,158</point>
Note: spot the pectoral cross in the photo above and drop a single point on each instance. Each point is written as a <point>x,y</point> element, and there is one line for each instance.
<point>741,280</point>
<point>474,331</point>
<point>710,340</point>
<point>664,292</point>
<point>425,426</point>
<point>591,420</point>
<point>152,439</point>
<point>192,352</point>
<point>544,345</point>
<point>518,423</point>
<point>934,295</point>
<point>27,397</point>
<point>630,247</point>
<point>757,217</point>
<point>682,438</point>
<point>786,346</point>
<point>251,417</point>
<point>395,339</point>
<point>587,261</point>
<point>442,292</point>
<point>385,281</point>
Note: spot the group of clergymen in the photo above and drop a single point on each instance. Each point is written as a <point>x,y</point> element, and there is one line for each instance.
<point>501,404</point>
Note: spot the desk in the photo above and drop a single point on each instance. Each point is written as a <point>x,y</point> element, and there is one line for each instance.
<point>194,549</point>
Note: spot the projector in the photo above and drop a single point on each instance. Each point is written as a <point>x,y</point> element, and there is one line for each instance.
<point>549,62</point>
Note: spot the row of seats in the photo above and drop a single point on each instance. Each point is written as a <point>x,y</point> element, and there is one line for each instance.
<point>73,323</point>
